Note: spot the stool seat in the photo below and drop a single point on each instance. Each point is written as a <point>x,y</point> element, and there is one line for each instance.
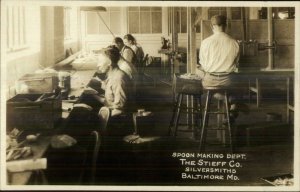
<point>191,90</point>
<point>207,112</point>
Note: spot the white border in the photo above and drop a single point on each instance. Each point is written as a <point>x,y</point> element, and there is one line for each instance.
<point>296,187</point>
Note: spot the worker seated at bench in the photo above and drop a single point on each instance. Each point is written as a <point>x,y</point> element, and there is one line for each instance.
<point>117,87</point>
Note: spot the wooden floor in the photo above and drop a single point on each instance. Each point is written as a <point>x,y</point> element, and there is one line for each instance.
<point>266,145</point>
<point>152,163</point>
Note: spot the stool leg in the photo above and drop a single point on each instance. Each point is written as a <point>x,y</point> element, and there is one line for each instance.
<point>198,116</point>
<point>178,113</point>
<point>205,122</point>
<point>173,114</point>
<point>228,121</point>
<point>194,119</point>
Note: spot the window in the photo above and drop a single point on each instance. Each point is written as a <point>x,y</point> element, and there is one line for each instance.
<point>181,20</point>
<point>216,11</point>
<point>16,28</point>
<point>236,12</point>
<point>145,20</point>
<point>112,18</point>
<point>67,22</point>
<point>283,12</point>
<point>181,15</point>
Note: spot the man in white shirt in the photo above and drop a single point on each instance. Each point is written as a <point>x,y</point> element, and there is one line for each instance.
<point>219,57</point>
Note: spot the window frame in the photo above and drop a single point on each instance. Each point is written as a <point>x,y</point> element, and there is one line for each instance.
<point>221,9</point>
<point>151,11</point>
<point>17,36</point>
<point>99,31</point>
<point>67,23</point>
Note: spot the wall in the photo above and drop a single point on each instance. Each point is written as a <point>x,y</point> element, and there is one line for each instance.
<point>74,42</point>
<point>151,43</point>
<point>258,30</point>
<point>46,43</point>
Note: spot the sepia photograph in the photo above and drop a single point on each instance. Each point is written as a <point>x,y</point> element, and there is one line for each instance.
<point>150,95</point>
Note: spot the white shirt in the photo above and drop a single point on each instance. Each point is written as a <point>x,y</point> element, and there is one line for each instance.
<point>116,90</point>
<point>219,53</point>
<point>138,50</point>
<point>128,68</point>
<point>127,54</point>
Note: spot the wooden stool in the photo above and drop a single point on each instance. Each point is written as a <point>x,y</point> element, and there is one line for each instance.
<point>195,93</point>
<point>207,111</point>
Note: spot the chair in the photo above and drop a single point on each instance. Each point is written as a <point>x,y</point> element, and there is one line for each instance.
<point>207,111</point>
<point>188,88</point>
<point>147,61</point>
<point>104,114</point>
<point>83,123</point>
<point>97,144</point>
<point>96,141</point>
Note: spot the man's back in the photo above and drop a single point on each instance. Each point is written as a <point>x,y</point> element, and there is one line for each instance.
<point>219,53</point>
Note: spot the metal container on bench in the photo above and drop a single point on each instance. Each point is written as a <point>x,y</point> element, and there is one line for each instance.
<point>34,111</point>
<point>144,123</point>
<point>37,83</point>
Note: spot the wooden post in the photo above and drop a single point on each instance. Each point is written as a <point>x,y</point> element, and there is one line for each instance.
<point>191,53</point>
<point>270,38</point>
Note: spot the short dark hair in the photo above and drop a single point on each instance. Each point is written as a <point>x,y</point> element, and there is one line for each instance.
<point>118,40</point>
<point>219,20</point>
<point>113,53</point>
<point>130,38</point>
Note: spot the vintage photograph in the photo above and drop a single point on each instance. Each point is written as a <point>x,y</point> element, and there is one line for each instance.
<point>153,95</point>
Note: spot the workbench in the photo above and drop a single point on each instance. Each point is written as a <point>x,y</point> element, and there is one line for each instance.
<point>38,148</point>
<point>79,80</point>
<point>259,76</point>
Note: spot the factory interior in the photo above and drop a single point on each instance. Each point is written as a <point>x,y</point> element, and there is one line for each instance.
<point>51,55</point>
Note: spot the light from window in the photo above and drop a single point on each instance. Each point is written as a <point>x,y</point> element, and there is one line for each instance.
<point>16,28</point>
<point>67,22</point>
<point>145,20</point>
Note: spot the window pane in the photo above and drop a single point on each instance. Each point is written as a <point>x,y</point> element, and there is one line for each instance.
<point>236,8</point>
<point>115,22</point>
<point>198,29</point>
<point>156,22</point>
<point>177,20</point>
<point>114,8</point>
<point>92,23</point>
<point>223,13</point>
<point>183,21</point>
<point>145,22</point>
<point>102,28</point>
<point>155,8</point>
<point>133,9</point>
<point>145,8</point>
<point>133,22</point>
<point>236,15</point>
<point>212,13</point>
